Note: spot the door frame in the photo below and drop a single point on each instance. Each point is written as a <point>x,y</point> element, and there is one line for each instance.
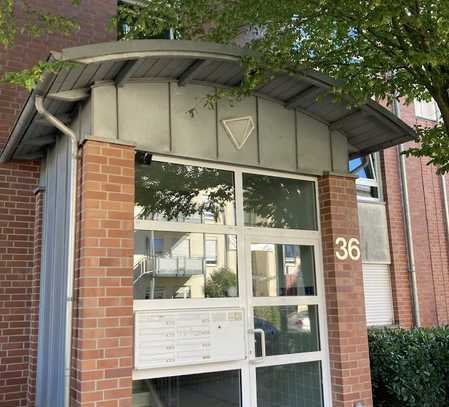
<point>306,239</point>
<point>244,299</point>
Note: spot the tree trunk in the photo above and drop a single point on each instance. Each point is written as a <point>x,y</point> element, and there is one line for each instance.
<point>441,98</point>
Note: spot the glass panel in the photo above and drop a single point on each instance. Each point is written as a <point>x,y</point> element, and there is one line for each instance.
<point>218,389</point>
<point>354,163</point>
<point>365,172</point>
<point>179,265</point>
<point>183,193</point>
<point>211,251</point>
<point>295,385</point>
<point>279,202</point>
<point>367,191</point>
<point>288,329</point>
<point>282,270</point>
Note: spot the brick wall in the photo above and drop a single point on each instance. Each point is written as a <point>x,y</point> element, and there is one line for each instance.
<point>430,242</point>
<point>93,16</point>
<point>348,342</point>
<point>17,204</point>
<point>17,201</point>
<point>103,320</point>
<point>402,301</point>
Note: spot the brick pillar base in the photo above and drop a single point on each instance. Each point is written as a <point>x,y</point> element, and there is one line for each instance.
<point>348,343</point>
<point>103,309</point>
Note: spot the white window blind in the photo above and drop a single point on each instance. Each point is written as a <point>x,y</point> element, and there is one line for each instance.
<point>211,251</point>
<point>378,295</point>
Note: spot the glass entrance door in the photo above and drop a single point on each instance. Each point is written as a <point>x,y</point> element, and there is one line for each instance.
<point>228,290</point>
<point>287,358</point>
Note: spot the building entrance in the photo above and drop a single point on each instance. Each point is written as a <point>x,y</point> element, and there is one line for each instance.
<point>229,302</point>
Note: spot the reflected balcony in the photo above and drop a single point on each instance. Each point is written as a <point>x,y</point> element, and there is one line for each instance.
<point>168,267</point>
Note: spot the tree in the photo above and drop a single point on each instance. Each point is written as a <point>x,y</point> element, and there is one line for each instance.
<point>220,283</point>
<point>171,190</point>
<point>174,191</point>
<point>35,21</point>
<point>376,48</point>
<point>379,48</point>
<point>18,17</point>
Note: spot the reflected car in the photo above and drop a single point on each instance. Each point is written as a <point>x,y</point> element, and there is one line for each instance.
<point>299,321</point>
<point>268,328</point>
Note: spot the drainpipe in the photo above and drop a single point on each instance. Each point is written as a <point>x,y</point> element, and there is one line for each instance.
<point>408,225</point>
<point>446,206</point>
<point>445,203</point>
<point>39,103</point>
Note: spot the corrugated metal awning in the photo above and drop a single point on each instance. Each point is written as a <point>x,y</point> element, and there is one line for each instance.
<point>368,128</point>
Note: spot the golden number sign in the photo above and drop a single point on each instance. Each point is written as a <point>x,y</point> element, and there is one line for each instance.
<point>347,248</point>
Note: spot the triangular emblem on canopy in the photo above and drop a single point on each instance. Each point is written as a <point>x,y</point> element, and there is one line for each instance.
<point>239,129</point>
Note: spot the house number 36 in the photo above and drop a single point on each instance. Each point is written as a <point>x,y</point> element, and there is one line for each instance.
<point>347,248</point>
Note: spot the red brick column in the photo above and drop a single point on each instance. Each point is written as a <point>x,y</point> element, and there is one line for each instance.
<point>35,295</point>
<point>103,309</point>
<point>348,344</point>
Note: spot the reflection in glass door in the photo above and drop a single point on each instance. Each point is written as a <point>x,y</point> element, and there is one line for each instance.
<point>216,240</point>
<point>217,389</point>
<point>284,310</point>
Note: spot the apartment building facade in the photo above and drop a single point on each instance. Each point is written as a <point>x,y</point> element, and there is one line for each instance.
<point>388,257</point>
<point>207,258</point>
<point>19,225</point>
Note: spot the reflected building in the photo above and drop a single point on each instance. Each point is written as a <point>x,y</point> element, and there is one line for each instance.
<point>282,270</point>
<point>175,264</point>
<point>184,265</point>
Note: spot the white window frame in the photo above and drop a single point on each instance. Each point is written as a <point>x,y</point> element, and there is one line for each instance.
<point>371,183</point>
<point>245,299</point>
<point>419,108</point>
<point>209,260</point>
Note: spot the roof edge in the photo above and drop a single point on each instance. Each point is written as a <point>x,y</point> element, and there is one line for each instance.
<point>26,115</point>
<point>136,49</point>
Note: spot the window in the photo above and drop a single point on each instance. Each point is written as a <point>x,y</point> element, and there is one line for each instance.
<point>276,275</point>
<point>211,251</point>
<point>378,295</point>
<point>291,253</point>
<point>290,328</point>
<point>184,259</point>
<point>427,110</point>
<point>290,385</point>
<point>158,245</point>
<point>232,242</point>
<point>184,193</point>
<point>207,389</point>
<point>194,265</point>
<point>196,228</point>
<point>279,202</point>
<point>368,180</point>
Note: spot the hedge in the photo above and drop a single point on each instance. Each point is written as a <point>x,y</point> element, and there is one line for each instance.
<point>410,368</point>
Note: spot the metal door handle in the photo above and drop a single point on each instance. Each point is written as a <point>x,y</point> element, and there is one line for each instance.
<point>262,343</point>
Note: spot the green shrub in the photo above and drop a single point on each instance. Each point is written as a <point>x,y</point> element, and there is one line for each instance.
<point>410,368</point>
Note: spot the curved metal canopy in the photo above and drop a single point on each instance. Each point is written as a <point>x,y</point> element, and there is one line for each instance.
<point>368,128</point>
